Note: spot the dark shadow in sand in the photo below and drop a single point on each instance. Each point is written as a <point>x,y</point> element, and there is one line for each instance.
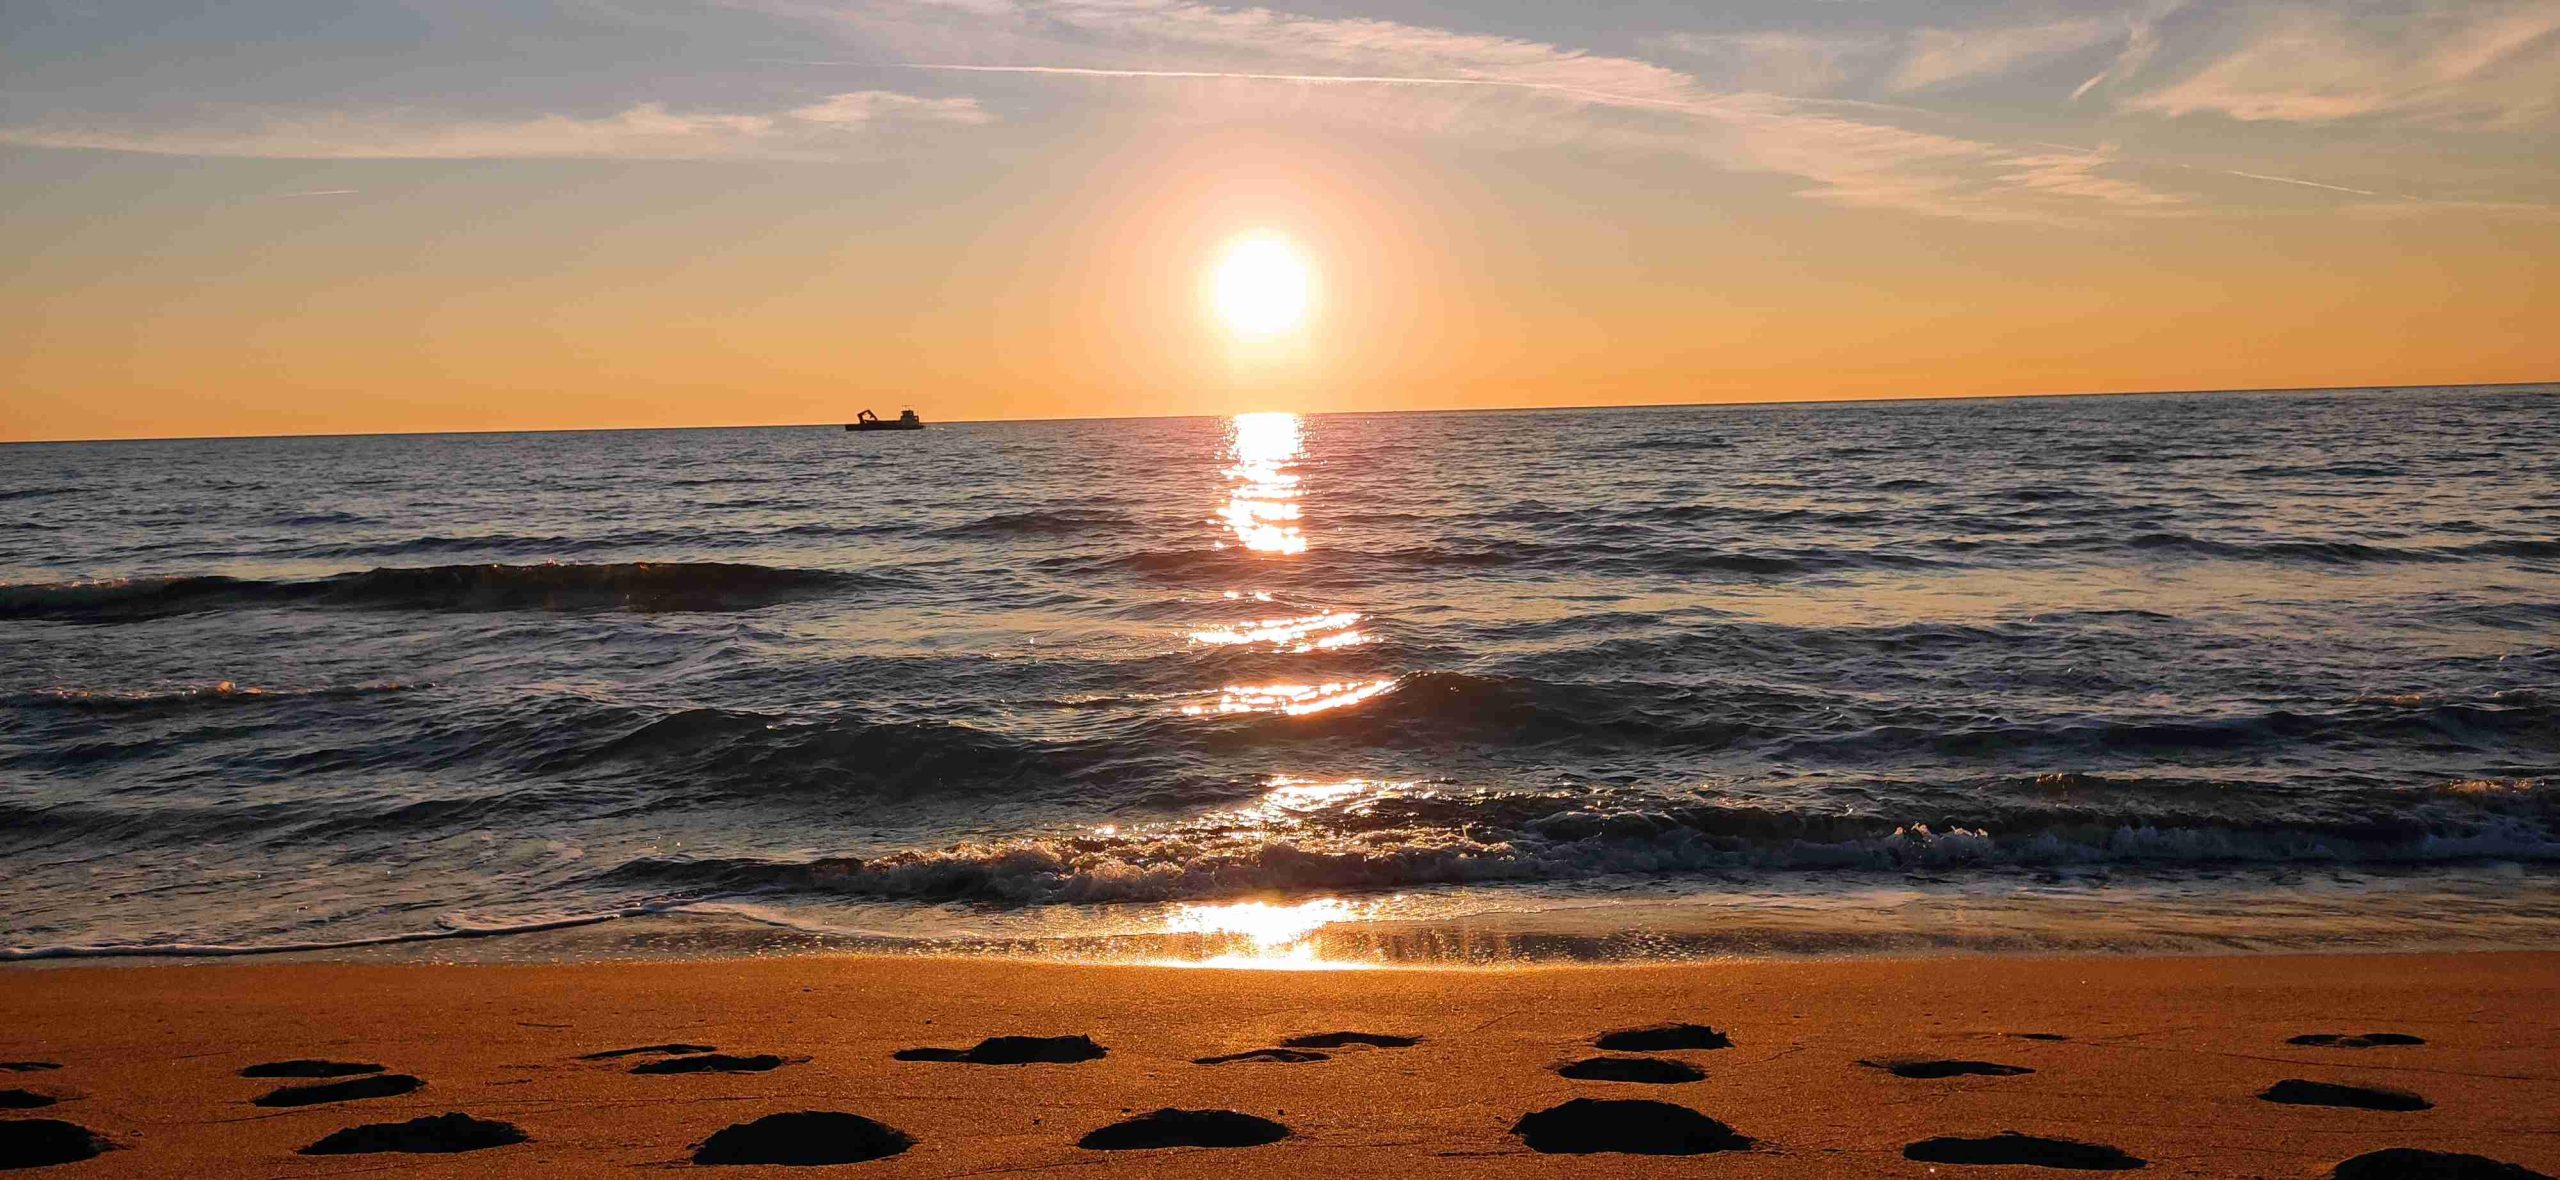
<point>1663,1037</point>
<point>39,1143</point>
<point>1651,1071</point>
<point>2010,1147</point>
<point>712,1063</point>
<point>28,1066</point>
<point>1350,1040</point>
<point>307,1067</point>
<point>1634,1126</point>
<point>1947,1069</point>
<point>378,1086</point>
<point>2037,1036</point>
<point>669,1050</point>
<point>2354,1040</point>
<point>2410,1163</point>
<point>804,1137</point>
<point>2297,1092</point>
<point>1282,1056</point>
<point>439,1134</point>
<point>1013,1051</point>
<point>14,1099</point>
<point>1185,1128</point>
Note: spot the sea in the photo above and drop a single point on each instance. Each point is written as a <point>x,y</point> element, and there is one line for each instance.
<point>2199,673</point>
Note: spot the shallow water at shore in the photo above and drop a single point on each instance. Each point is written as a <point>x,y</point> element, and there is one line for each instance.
<point>2195,672</point>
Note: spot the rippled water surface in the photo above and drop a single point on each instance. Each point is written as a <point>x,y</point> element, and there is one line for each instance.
<point>2191,671</point>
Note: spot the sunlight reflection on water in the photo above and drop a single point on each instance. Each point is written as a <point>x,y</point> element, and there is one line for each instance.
<point>1293,700</point>
<point>1304,634</point>
<point>1262,485</point>
<point>1262,512</point>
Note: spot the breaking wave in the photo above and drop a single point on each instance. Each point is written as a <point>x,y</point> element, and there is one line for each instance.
<point>1392,838</point>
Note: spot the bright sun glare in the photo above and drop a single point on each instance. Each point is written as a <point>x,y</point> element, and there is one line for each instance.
<point>1262,286</point>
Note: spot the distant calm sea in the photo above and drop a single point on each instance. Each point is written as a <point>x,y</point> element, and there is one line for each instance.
<point>2237,671</point>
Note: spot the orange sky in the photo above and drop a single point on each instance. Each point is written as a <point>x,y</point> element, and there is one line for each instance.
<point>1594,225</point>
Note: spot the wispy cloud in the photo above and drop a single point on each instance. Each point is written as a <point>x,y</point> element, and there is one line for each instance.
<point>648,130</point>
<point>2141,44</point>
<point>2479,64</point>
<point>1775,61</point>
<point>1941,57</point>
<point>1479,85</point>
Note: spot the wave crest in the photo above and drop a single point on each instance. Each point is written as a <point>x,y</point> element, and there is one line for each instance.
<point>638,586</point>
<point>1371,836</point>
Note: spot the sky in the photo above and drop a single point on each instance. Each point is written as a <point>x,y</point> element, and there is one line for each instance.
<point>274,218</point>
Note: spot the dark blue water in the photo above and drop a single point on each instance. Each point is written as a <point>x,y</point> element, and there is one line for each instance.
<point>2237,670</point>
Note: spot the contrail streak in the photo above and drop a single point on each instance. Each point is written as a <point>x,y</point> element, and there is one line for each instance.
<point>2306,183</point>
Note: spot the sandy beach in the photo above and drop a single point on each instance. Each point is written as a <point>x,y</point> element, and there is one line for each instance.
<point>2163,1060</point>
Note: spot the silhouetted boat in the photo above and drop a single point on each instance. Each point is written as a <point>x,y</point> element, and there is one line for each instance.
<point>867,420</point>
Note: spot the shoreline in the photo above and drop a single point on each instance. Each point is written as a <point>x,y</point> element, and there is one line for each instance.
<point>2161,1057</point>
<point>1803,917</point>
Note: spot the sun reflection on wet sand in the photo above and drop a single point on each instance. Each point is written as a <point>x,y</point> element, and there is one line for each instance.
<point>1262,485</point>
<point>1265,935</point>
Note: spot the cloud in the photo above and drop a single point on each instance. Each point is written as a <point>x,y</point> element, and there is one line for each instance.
<point>2465,64</point>
<point>1775,62</point>
<point>2142,42</point>
<point>647,131</point>
<point>1493,88</point>
<point>1940,57</point>
<point>873,106</point>
<point>2077,174</point>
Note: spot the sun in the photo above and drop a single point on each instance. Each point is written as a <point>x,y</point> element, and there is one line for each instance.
<point>1261,286</point>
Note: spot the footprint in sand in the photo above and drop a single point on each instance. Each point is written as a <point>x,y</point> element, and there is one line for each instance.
<point>2409,1163</point>
<point>1278,1056</point>
<point>677,1049</point>
<point>2297,1092</point>
<point>1350,1040</point>
<point>1902,1068</point>
<point>716,1063</point>
<point>15,1099</point>
<point>1185,1128</point>
<point>805,1138</point>
<point>308,1067</point>
<point>2354,1040</point>
<point>1586,1126</point>
<point>2010,1147</point>
<point>42,1143</point>
<point>1651,1071</point>
<point>440,1134</point>
<point>377,1086</point>
<point>1662,1038</point>
<point>1013,1051</point>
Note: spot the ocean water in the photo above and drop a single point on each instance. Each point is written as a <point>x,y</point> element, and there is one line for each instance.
<point>2233,671</point>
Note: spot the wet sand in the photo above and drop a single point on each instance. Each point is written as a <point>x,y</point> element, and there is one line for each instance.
<point>1865,1067</point>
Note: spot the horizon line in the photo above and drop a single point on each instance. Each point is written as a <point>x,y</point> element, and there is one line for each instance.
<point>1576,407</point>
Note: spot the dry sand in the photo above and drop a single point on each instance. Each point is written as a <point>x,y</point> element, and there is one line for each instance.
<point>2160,1058</point>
